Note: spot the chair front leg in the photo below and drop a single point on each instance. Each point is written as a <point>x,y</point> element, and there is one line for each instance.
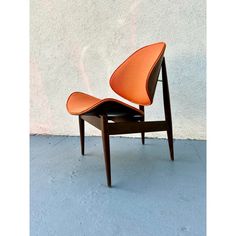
<point>106,147</point>
<point>81,129</point>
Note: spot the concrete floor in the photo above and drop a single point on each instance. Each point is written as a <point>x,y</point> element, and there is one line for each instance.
<point>150,196</point>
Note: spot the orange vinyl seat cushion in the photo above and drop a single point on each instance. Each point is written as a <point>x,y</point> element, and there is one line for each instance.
<point>80,103</point>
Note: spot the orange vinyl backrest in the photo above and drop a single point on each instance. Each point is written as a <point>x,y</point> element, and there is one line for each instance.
<point>131,80</point>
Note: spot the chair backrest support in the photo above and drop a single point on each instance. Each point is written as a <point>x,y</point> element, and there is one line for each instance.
<point>136,78</point>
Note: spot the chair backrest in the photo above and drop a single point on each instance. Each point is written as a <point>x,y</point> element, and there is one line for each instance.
<point>136,78</point>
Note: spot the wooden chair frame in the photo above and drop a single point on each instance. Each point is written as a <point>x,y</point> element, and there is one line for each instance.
<point>123,126</point>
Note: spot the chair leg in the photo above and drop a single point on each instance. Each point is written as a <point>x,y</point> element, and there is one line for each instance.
<point>106,148</point>
<point>81,129</point>
<point>167,108</point>
<point>171,144</point>
<point>143,137</point>
<point>142,133</point>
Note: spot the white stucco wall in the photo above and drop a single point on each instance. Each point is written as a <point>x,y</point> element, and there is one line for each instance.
<point>77,44</point>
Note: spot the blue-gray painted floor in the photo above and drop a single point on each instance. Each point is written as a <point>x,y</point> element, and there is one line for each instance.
<point>150,195</point>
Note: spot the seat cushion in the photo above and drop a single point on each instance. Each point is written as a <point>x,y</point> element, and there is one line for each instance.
<point>81,103</point>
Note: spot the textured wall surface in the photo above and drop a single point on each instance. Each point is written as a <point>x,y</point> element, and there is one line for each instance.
<point>77,44</point>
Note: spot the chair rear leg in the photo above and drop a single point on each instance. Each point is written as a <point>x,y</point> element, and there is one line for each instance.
<point>167,108</point>
<point>171,144</point>
<point>81,129</point>
<point>142,133</point>
<point>106,148</point>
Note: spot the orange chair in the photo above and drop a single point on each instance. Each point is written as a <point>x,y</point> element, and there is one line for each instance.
<point>135,80</point>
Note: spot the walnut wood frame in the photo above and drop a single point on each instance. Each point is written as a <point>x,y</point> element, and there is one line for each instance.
<point>125,126</point>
